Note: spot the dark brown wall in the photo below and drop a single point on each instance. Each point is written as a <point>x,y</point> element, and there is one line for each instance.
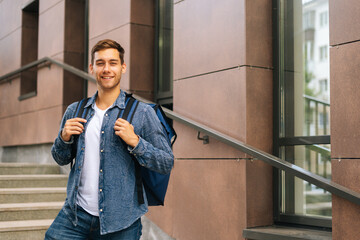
<point>74,34</point>
<point>345,86</point>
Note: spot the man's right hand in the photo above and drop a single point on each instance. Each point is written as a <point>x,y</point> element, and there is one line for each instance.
<point>72,126</point>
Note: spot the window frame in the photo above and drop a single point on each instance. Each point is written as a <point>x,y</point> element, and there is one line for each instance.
<point>162,97</point>
<point>279,140</point>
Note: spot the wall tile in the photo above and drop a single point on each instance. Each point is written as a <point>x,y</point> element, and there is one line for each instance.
<point>107,15</point>
<point>143,12</point>
<point>50,86</point>
<point>208,36</point>
<point>210,199</point>
<point>27,128</point>
<point>48,124</point>
<point>259,49</point>
<point>10,16</point>
<point>142,58</point>
<point>344,92</point>
<point>259,108</point>
<point>346,221</point>
<point>7,127</point>
<point>46,5</point>
<point>74,27</point>
<point>216,100</point>
<point>10,46</point>
<point>344,18</point>
<point>259,193</point>
<point>9,93</point>
<point>51,31</point>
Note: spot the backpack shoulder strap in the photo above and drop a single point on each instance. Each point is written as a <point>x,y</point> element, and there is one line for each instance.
<point>80,110</point>
<point>131,104</point>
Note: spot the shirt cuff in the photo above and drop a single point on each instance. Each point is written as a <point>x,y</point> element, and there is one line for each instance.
<point>65,142</point>
<point>139,149</point>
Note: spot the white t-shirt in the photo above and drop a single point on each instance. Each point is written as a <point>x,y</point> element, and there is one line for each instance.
<point>88,197</point>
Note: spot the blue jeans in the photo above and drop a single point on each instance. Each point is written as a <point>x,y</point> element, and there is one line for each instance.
<point>88,227</point>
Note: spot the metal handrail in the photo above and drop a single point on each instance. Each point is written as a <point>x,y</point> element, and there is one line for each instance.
<point>276,162</point>
<point>314,99</point>
<point>7,77</point>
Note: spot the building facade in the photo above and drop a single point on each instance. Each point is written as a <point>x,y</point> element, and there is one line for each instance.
<point>264,72</point>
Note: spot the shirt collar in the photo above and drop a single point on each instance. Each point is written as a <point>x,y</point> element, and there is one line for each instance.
<point>119,102</point>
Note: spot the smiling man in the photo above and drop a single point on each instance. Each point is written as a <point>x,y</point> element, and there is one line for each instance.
<point>101,198</point>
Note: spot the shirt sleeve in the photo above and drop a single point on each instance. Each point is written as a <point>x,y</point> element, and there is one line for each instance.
<point>63,152</point>
<point>153,150</point>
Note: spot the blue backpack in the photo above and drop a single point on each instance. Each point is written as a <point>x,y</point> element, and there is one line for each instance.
<point>155,184</point>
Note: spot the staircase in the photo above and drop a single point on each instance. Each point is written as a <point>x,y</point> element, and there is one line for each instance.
<point>31,195</point>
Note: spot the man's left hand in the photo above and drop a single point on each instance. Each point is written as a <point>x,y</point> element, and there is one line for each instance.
<point>126,131</point>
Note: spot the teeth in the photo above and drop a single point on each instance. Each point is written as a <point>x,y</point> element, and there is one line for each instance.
<point>107,77</point>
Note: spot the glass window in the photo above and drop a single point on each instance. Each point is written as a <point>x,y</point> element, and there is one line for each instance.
<point>323,19</point>
<point>303,114</point>
<point>163,52</point>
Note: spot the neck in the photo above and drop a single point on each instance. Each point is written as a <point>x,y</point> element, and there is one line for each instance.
<point>106,98</point>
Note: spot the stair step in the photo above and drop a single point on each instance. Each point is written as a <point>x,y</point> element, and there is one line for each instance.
<point>25,195</point>
<point>30,229</point>
<point>285,232</point>
<point>28,168</point>
<point>43,180</point>
<point>29,211</point>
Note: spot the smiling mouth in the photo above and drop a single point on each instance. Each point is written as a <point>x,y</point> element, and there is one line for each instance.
<point>107,77</point>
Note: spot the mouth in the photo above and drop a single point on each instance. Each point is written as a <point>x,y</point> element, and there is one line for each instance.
<point>106,77</point>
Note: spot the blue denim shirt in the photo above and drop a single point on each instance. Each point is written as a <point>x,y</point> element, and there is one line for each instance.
<point>118,203</point>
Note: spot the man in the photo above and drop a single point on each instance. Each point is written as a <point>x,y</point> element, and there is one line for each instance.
<point>101,198</point>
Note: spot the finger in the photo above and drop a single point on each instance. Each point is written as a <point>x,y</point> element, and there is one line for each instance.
<point>118,128</point>
<point>79,120</point>
<point>122,121</point>
<point>120,124</point>
<point>75,132</point>
<point>76,128</point>
<point>73,128</point>
<point>74,124</point>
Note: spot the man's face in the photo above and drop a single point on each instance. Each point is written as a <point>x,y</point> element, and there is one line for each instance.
<point>107,68</point>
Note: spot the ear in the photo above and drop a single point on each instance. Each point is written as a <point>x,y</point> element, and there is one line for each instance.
<point>91,68</point>
<point>123,68</point>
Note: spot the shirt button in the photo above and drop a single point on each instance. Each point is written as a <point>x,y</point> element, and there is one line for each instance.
<point>100,190</point>
<point>102,150</point>
<point>100,170</point>
<point>106,114</point>
<point>101,210</point>
<point>102,132</point>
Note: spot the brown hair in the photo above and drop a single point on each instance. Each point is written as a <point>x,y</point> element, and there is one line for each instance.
<point>105,44</point>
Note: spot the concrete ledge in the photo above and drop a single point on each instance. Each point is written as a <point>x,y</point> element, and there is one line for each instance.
<point>285,233</point>
<point>152,232</point>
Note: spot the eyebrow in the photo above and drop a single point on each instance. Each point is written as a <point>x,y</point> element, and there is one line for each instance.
<point>111,60</point>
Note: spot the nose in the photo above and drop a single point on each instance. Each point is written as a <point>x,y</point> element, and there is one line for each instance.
<point>106,67</point>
